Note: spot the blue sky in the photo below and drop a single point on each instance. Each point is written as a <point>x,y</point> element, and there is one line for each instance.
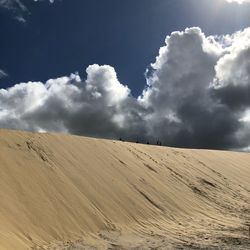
<point>67,36</point>
<point>79,67</point>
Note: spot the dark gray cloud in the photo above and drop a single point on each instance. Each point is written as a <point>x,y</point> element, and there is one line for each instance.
<point>191,86</point>
<point>232,81</point>
<point>197,95</point>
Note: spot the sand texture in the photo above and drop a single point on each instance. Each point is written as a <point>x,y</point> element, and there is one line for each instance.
<point>70,192</point>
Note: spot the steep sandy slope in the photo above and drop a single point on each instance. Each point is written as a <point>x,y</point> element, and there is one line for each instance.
<point>70,192</point>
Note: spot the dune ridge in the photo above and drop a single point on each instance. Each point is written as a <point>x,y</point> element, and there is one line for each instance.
<point>70,192</point>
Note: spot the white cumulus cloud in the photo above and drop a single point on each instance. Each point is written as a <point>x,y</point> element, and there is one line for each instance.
<point>197,95</point>
<point>238,1</point>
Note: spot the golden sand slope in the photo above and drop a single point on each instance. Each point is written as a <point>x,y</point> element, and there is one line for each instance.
<point>69,192</point>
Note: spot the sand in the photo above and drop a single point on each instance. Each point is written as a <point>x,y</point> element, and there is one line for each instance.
<point>70,192</point>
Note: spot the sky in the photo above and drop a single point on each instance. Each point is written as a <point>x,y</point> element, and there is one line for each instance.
<point>171,70</point>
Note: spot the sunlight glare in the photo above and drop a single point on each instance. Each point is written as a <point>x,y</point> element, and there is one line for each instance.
<point>238,1</point>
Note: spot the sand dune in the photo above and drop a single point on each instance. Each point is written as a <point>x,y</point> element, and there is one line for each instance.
<point>69,192</point>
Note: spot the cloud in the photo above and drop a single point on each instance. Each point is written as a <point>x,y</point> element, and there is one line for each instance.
<point>199,90</point>
<point>13,5</point>
<point>3,74</point>
<point>232,80</point>
<point>18,8</point>
<point>197,95</point>
<point>238,1</point>
<point>98,106</point>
